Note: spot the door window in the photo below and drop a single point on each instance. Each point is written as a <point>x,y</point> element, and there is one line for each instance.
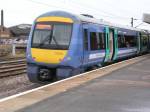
<point>86,39</point>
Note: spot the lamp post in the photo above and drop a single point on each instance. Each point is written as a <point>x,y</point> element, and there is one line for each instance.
<point>132,21</point>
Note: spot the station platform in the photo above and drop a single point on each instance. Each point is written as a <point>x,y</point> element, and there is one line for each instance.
<point>123,90</point>
<point>120,87</point>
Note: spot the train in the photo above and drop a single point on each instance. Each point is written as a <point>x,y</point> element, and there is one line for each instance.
<point>62,44</point>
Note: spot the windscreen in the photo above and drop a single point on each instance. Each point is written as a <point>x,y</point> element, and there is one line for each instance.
<point>52,36</point>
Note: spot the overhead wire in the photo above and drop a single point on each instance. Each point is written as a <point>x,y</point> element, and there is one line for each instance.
<point>93,10</point>
<point>44,4</point>
<point>105,14</point>
<point>108,13</point>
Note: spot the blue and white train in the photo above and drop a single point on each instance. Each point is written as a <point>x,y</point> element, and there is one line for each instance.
<point>62,44</point>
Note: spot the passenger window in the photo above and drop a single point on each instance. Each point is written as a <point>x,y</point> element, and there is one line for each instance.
<point>101,40</point>
<point>85,39</point>
<point>97,41</point>
<point>130,41</point>
<point>126,41</point>
<point>93,41</point>
<point>144,39</point>
<point>121,41</point>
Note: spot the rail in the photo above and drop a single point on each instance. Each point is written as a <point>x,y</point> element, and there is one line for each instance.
<point>12,68</point>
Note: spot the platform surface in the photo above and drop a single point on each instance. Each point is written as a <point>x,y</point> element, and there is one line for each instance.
<point>124,90</point>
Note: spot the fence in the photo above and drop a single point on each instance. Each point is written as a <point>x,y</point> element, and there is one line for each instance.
<point>6,49</point>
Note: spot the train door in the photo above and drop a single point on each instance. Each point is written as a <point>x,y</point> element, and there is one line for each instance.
<point>85,44</point>
<point>111,44</point>
<point>139,43</point>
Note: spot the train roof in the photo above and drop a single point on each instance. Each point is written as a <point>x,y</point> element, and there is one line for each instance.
<point>81,18</point>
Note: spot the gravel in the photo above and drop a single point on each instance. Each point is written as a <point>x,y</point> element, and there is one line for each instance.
<point>15,84</point>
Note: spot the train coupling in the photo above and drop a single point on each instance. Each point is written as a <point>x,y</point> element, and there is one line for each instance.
<point>44,74</point>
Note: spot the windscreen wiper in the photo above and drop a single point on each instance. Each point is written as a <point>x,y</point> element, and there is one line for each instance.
<point>56,43</point>
<point>48,37</point>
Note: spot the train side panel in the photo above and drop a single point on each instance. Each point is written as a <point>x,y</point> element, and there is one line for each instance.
<point>144,42</point>
<point>94,45</point>
<point>128,43</point>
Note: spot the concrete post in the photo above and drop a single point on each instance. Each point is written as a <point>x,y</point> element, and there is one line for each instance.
<point>13,48</point>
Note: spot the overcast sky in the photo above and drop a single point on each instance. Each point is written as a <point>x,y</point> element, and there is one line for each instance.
<point>115,11</point>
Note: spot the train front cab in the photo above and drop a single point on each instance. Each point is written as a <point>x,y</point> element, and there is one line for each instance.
<point>50,53</point>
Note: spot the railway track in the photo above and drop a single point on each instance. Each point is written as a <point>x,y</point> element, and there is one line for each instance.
<point>12,68</point>
<point>10,58</point>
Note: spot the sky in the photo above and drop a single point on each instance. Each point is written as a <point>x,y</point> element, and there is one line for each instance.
<point>114,11</point>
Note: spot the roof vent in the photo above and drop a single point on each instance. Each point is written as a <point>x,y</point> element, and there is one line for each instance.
<point>87,15</point>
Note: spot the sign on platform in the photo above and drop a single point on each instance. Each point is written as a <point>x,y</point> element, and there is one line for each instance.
<point>146,18</point>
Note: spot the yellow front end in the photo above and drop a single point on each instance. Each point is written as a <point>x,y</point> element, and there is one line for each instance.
<point>48,56</point>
